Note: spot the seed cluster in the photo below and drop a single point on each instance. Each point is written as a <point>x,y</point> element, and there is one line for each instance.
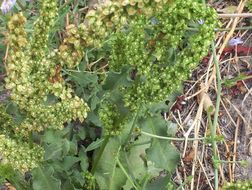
<point>152,37</point>
<point>110,117</point>
<point>242,185</point>
<point>37,87</point>
<point>149,35</point>
<point>20,155</point>
<point>35,76</point>
<point>160,51</point>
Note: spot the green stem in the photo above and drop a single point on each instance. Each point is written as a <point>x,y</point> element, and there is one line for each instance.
<point>20,5</point>
<point>171,138</point>
<point>140,144</point>
<point>132,128</point>
<point>126,174</point>
<point>216,114</point>
<point>130,171</point>
<point>99,154</point>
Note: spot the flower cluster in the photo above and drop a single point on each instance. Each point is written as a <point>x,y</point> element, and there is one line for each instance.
<point>159,50</point>
<point>150,36</point>
<point>13,151</point>
<point>35,76</point>
<point>110,118</point>
<point>20,155</point>
<point>162,55</point>
<point>242,185</point>
<point>37,87</point>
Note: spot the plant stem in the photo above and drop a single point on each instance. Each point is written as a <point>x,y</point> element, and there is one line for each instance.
<point>216,114</point>
<point>126,174</point>
<point>99,154</point>
<point>170,138</point>
<point>130,171</point>
<point>20,5</point>
<point>132,128</point>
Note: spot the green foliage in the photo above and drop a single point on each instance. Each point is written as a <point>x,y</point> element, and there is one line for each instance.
<point>160,152</point>
<point>108,175</point>
<point>146,53</point>
<point>232,82</point>
<point>43,179</point>
<point>249,5</point>
<point>243,185</point>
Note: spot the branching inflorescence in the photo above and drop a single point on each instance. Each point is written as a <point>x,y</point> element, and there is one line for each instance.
<point>33,80</point>
<point>150,36</point>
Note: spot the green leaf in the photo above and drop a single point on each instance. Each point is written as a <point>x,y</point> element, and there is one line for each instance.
<point>107,174</point>
<point>84,160</point>
<point>67,185</point>
<point>114,80</point>
<point>69,161</point>
<point>136,157</point>
<point>59,149</point>
<point>161,152</point>
<point>94,118</point>
<point>83,79</point>
<point>159,183</point>
<point>53,151</point>
<point>43,179</point>
<point>135,162</point>
<point>94,145</point>
<point>78,178</point>
<point>82,133</point>
<point>14,177</point>
<point>232,82</point>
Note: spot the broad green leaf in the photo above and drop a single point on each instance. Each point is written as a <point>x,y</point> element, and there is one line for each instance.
<point>114,80</point>
<point>94,145</point>
<point>161,152</point>
<point>107,174</point>
<point>83,78</point>
<point>171,128</point>
<point>67,185</point>
<point>43,179</point>
<point>134,160</point>
<point>135,157</point>
<point>159,183</point>
<point>59,149</point>
<point>53,151</point>
<point>81,133</point>
<point>78,178</point>
<point>93,118</point>
<point>84,160</point>
<point>69,161</point>
<point>158,108</point>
